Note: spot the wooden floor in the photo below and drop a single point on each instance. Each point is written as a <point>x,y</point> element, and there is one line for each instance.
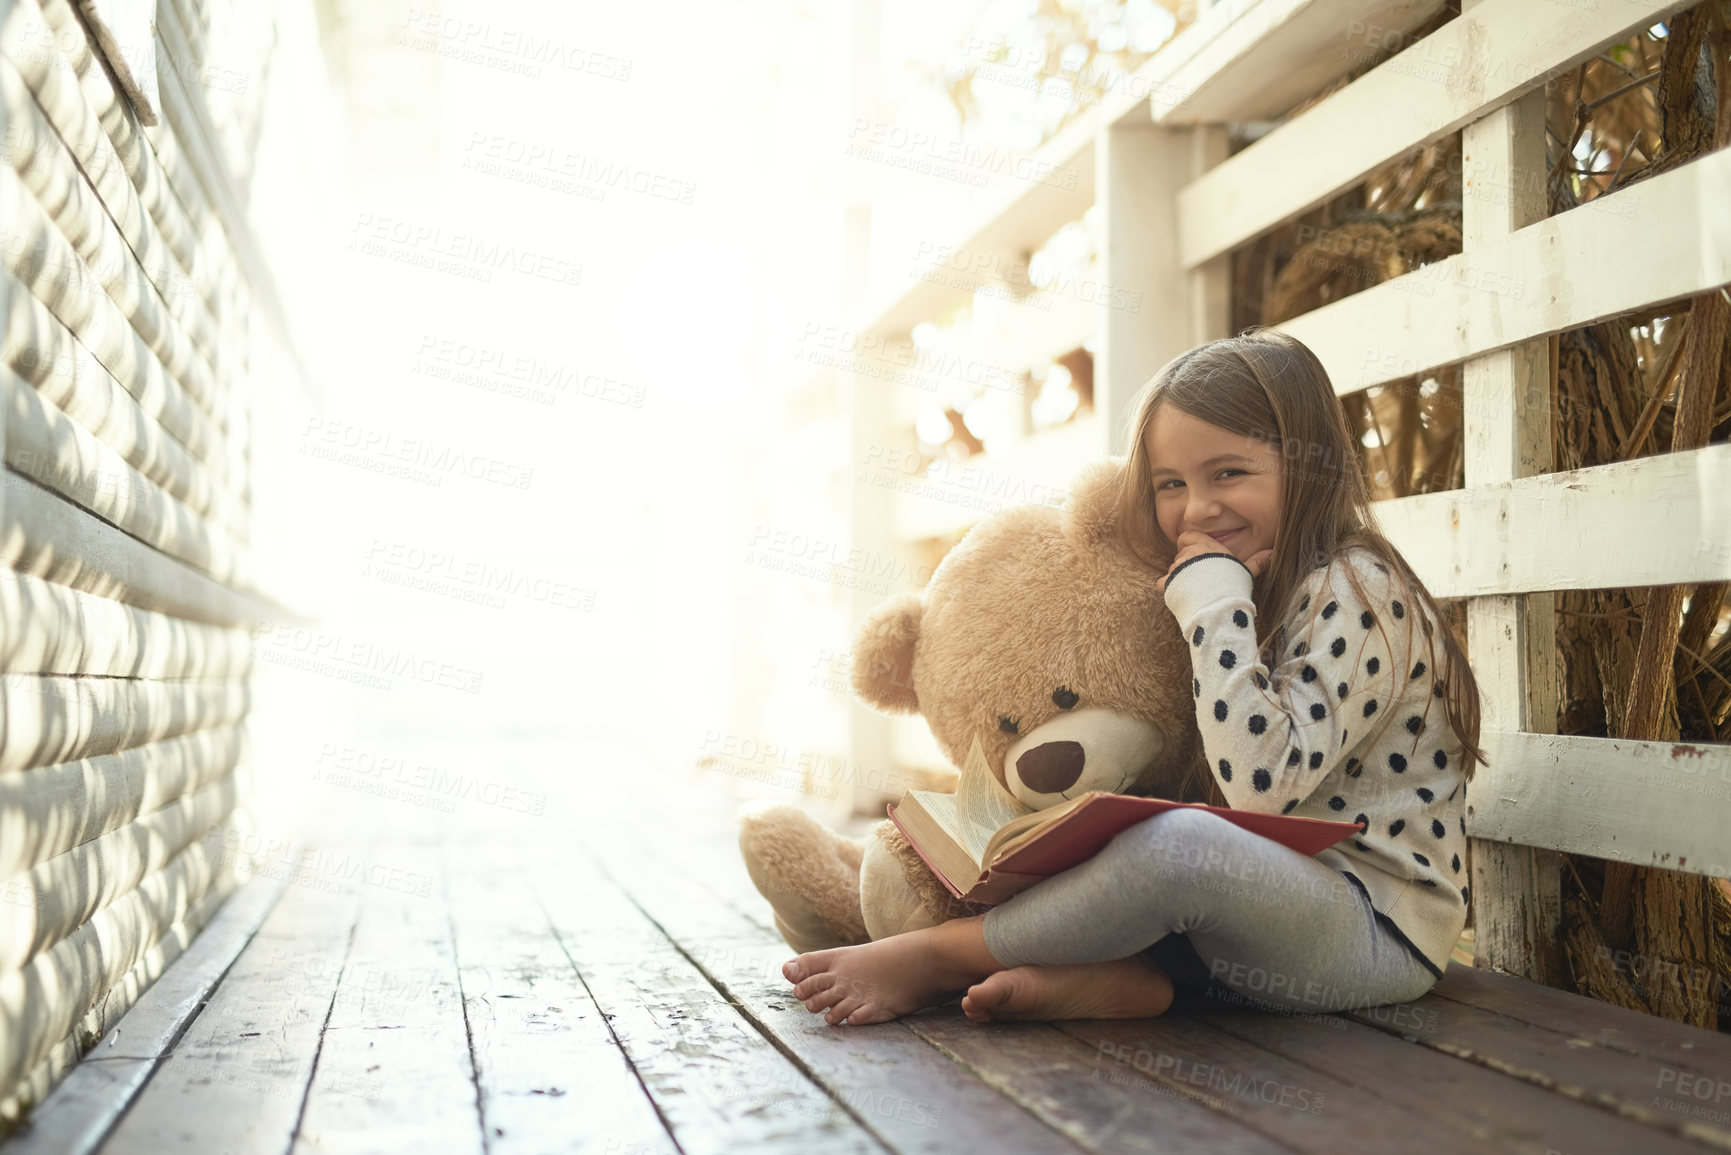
<point>597,993</point>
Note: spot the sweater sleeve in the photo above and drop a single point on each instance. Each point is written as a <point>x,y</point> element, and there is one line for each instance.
<point>1272,735</point>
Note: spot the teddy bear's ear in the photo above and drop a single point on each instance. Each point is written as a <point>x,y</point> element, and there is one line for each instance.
<point>882,670</point>
<point>1091,513</point>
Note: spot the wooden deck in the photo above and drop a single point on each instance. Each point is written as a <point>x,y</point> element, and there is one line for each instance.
<point>504,994</point>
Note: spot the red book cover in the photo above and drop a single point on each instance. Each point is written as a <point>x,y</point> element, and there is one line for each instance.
<point>1080,834</point>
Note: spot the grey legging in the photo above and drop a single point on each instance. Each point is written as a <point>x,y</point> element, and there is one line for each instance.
<point>1275,926</point>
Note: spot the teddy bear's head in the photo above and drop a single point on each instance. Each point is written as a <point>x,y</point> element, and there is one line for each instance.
<point>1043,636</point>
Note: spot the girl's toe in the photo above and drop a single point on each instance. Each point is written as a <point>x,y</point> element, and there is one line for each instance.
<point>825,999</point>
<point>812,985</point>
<point>843,1009</point>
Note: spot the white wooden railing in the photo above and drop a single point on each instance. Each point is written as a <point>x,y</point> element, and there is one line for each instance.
<point>1174,209</point>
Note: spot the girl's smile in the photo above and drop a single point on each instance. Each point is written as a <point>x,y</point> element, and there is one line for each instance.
<point>1211,481</point>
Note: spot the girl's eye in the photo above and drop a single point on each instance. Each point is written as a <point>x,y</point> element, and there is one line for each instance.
<point>1008,725</point>
<point>1230,472</point>
<point>1168,484</point>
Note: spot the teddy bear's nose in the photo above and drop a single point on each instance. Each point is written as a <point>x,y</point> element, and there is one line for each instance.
<point>1051,767</point>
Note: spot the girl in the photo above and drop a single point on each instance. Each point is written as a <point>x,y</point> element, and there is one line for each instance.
<point>1326,684</point>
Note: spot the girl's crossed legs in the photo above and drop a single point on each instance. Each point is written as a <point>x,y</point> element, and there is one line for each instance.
<point>1273,925</point>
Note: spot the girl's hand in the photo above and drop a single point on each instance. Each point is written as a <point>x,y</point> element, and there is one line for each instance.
<point>1194,543</point>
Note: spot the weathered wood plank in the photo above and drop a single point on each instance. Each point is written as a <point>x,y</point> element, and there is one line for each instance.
<point>51,809</point>
<point>1601,1024</point>
<point>1440,1089</point>
<point>1634,1086</point>
<point>73,1119</point>
<point>912,1096</point>
<point>394,1071</point>
<point>718,1083</point>
<point>1290,1103</point>
<point>1664,804</point>
<point>54,719</point>
<point>1668,512</point>
<point>550,1076</point>
<point>237,1078</point>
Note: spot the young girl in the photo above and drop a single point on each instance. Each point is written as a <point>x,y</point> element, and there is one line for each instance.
<point>1326,684</point>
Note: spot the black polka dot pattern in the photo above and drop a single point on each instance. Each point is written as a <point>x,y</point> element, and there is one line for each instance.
<point>1283,712</point>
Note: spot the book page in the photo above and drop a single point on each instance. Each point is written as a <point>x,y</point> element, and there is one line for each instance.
<point>982,804</point>
<point>1023,830</point>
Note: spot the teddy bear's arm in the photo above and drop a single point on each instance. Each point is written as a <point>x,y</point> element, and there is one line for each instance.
<point>1273,736</point>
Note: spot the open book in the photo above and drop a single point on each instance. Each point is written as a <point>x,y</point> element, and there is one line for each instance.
<point>985,845</point>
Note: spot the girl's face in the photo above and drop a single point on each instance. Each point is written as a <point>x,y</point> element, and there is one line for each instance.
<point>1206,478</point>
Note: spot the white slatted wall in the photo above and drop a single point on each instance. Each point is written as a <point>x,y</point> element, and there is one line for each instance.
<point>131,403</point>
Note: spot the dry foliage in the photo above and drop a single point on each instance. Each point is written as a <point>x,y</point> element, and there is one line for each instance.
<point>1648,664</point>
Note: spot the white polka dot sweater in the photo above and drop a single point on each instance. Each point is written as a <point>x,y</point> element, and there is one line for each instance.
<point>1348,724</point>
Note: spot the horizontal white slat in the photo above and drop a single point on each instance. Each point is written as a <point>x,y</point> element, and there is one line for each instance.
<point>166,313</point>
<point>51,719</point>
<point>1254,61</point>
<point>38,254</point>
<point>1470,66</point>
<point>1649,803</point>
<point>1561,273</point>
<point>45,535</point>
<point>49,810</point>
<point>54,451</point>
<point>42,351</point>
<point>47,628</point>
<point>49,903</point>
<point>39,1004</point>
<point>1661,520</point>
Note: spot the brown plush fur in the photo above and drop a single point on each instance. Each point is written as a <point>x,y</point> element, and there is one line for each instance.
<point>1033,608</point>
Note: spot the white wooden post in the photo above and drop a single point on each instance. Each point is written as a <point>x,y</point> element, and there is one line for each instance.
<point>1512,639</point>
<point>1139,170</point>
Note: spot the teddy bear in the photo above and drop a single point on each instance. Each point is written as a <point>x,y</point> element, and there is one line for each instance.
<point>1039,634</point>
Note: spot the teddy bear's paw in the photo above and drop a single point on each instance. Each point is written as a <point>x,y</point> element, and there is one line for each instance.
<point>809,874</point>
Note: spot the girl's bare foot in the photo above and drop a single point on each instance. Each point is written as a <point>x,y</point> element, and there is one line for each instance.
<point>1126,988</point>
<point>878,981</point>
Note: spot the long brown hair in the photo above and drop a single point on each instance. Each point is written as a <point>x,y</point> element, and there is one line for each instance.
<point>1268,385</point>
